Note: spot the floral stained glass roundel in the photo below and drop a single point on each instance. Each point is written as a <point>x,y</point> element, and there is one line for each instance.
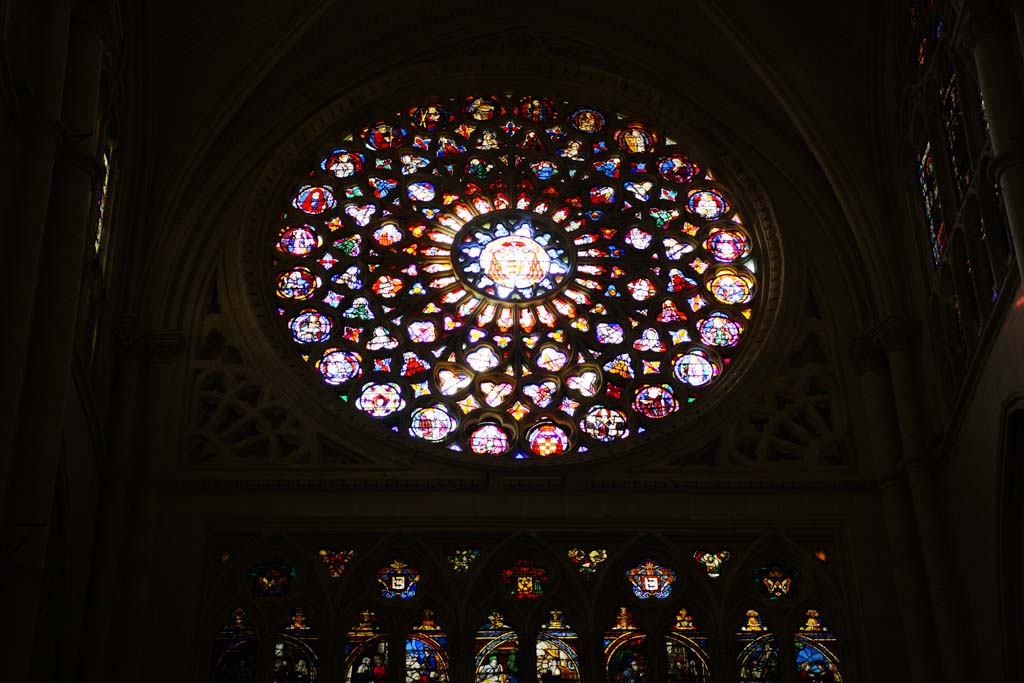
<point>513,276</point>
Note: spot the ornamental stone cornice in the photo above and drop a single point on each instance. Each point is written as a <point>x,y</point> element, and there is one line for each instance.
<point>562,485</point>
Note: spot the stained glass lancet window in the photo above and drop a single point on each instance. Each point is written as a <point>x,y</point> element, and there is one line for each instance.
<point>366,651</point>
<point>295,656</point>
<point>426,652</point>
<point>758,660</point>
<point>497,651</point>
<point>558,653</point>
<point>234,651</point>
<point>625,650</point>
<point>686,650</point>
<point>956,136</point>
<point>815,647</point>
<point>930,198</point>
<point>925,29</point>
<point>515,277</point>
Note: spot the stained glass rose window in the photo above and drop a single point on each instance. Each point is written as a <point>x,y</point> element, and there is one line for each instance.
<point>513,276</point>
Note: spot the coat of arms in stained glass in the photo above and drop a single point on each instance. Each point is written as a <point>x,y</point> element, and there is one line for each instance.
<point>651,580</point>
<point>398,580</point>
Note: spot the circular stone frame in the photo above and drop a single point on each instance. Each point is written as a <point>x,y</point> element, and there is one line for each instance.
<point>339,424</point>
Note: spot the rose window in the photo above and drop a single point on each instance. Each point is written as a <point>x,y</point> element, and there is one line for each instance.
<point>509,276</point>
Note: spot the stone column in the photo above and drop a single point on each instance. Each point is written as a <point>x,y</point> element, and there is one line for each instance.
<point>996,54</point>
<point>883,439</point>
<point>42,133</point>
<point>896,336</point>
<point>787,656</point>
<point>118,483</point>
<point>1018,18</point>
<point>722,648</point>
<point>49,359</point>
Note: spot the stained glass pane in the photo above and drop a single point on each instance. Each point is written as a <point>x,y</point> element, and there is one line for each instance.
<point>103,201</point>
<point>524,580</point>
<point>497,651</point>
<point>686,652</point>
<point>234,651</point>
<point>815,648</point>
<point>295,658</point>
<point>336,560</point>
<point>625,651</point>
<point>651,580</point>
<point>426,652</point>
<point>776,580</point>
<point>924,19</point>
<point>398,580</point>
<point>366,652</point>
<point>930,200</point>
<point>587,561</point>
<point>501,276</point>
<point>558,657</point>
<point>462,559</point>
<point>956,136</point>
<point>712,561</point>
<point>758,660</point>
<point>272,579</point>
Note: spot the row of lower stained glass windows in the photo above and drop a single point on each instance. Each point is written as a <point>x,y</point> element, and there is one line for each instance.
<point>497,653</point>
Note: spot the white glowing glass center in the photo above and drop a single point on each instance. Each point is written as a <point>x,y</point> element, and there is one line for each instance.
<point>515,262</point>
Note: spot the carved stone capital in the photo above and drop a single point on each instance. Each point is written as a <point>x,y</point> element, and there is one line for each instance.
<point>43,125</point>
<point>892,480</point>
<point>98,17</point>
<point>131,337</point>
<point>912,462</point>
<point>89,164</point>
<point>895,333</point>
<point>985,19</point>
<point>1003,162</point>
<point>866,355</point>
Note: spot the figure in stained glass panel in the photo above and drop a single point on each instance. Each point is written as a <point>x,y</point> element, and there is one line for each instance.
<point>295,658</point>
<point>426,652</point>
<point>815,645</point>
<point>557,651</point>
<point>497,651</point>
<point>686,652</point>
<point>758,660</point>
<point>366,652</point>
<point>234,651</point>
<point>625,650</point>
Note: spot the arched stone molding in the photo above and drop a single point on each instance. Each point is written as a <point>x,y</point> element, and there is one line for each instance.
<point>238,199</point>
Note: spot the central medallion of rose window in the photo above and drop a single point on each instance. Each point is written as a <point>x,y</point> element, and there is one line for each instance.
<point>512,256</point>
